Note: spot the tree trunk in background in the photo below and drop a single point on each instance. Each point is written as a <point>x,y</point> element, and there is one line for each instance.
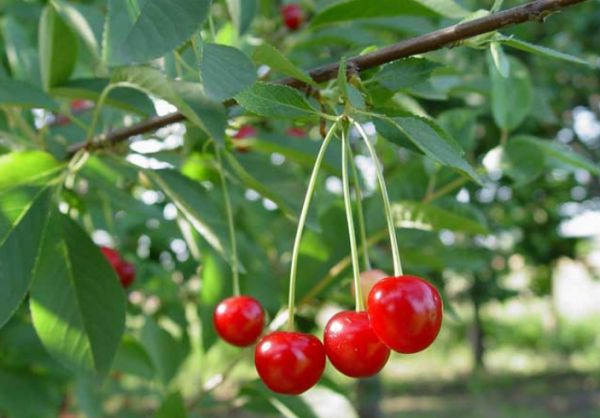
<point>368,397</point>
<point>477,336</point>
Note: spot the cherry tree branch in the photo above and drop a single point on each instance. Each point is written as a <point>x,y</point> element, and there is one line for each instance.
<point>537,10</point>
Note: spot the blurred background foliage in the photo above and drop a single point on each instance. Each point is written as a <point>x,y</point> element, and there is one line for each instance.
<point>517,257</point>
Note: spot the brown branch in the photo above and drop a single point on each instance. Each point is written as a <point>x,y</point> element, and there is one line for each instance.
<point>534,11</point>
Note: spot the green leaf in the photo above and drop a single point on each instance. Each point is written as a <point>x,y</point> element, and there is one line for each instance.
<point>496,6</point>
<point>211,114</point>
<point>429,138</point>
<point>166,351</point>
<point>461,124</point>
<point>512,96</point>
<point>500,60</point>
<point>191,102</point>
<point>77,302</point>
<point>23,220</point>
<point>319,402</point>
<point>132,358</point>
<point>405,73</point>
<point>559,155</point>
<point>20,44</point>
<point>138,31</point>
<point>270,56</point>
<point>128,99</point>
<point>27,395</point>
<point>18,93</point>
<point>79,24</point>
<point>540,50</point>
<point>31,167</point>
<point>58,48</point>
<point>88,395</point>
<point>366,9</point>
<point>193,202</point>
<point>273,100</point>
<point>416,215</point>
<point>172,407</point>
<point>225,71</point>
<point>522,161</point>
<point>242,13</point>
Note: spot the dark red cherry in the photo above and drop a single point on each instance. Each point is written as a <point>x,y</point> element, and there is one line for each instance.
<point>239,320</point>
<point>289,362</point>
<point>352,346</point>
<point>245,131</point>
<point>293,16</point>
<point>113,256</point>
<point>126,272</point>
<point>406,313</point>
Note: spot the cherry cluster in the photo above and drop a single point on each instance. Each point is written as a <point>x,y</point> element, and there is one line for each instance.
<point>125,270</point>
<point>404,314</point>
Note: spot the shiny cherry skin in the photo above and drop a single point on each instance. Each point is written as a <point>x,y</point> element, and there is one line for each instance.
<point>293,16</point>
<point>406,313</point>
<point>126,272</point>
<point>289,363</point>
<point>239,320</point>
<point>245,131</point>
<point>352,346</point>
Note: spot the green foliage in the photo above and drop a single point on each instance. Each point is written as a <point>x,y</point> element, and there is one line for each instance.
<point>17,93</point>
<point>480,143</point>
<point>139,31</point>
<point>275,101</point>
<point>79,326</point>
<point>58,49</point>
<point>225,71</point>
<point>359,9</point>
<point>23,226</point>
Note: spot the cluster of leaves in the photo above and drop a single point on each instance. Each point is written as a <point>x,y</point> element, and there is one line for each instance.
<point>470,119</point>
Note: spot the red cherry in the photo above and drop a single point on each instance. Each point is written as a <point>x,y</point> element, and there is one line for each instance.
<point>113,256</point>
<point>296,132</point>
<point>79,105</point>
<point>239,320</point>
<point>292,15</point>
<point>352,346</point>
<point>406,313</point>
<point>289,362</point>
<point>245,131</point>
<point>126,272</point>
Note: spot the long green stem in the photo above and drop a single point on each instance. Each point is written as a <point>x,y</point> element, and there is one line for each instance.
<point>309,192</point>
<point>230,225</point>
<point>96,115</point>
<point>362,229</point>
<point>348,205</point>
<point>386,201</point>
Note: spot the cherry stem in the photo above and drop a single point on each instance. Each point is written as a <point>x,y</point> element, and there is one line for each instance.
<point>303,214</point>
<point>230,223</point>
<point>351,232</point>
<point>362,230</point>
<point>386,201</point>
